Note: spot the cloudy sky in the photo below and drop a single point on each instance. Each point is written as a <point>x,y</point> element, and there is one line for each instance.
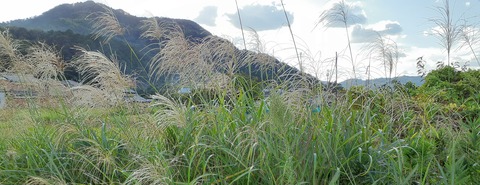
<point>404,22</point>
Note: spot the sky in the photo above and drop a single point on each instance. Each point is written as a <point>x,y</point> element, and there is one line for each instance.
<point>405,24</point>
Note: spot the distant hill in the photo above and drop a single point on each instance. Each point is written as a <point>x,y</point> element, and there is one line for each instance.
<point>68,25</point>
<point>76,16</point>
<point>378,82</point>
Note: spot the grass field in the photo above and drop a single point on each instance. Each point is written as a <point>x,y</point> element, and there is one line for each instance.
<point>228,131</point>
<point>277,141</point>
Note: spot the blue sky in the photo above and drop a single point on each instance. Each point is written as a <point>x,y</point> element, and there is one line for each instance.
<point>406,22</point>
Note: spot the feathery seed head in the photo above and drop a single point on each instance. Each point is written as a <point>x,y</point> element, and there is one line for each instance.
<point>103,73</point>
<point>46,61</point>
<point>170,113</point>
<point>8,50</point>
<point>105,24</point>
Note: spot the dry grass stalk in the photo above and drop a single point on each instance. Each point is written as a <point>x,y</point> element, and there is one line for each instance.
<point>154,30</point>
<point>264,61</point>
<point>226,58</point>
<point>221,54</point>
<point>8,50</point>
<point>88,96</point>
<point>46,61</point>
<point>103,73</point>
<point>255,43</point>
<point>219,81</point>
<point>447,30</point>
<point>22,66</point>
<point>260,57</point>
<point>45,181</point>
<point>470,38</point>
<point>176,56</point>
<point>41,61</point>
<point>103,159</point>
<point>196,63</point>
<point>155,173</point>
<point>105,24</point>
<point>48,66</point>
<point>170,113</point>
<point>180,56</point>
<point>385,50</point>
<point>340,13</point>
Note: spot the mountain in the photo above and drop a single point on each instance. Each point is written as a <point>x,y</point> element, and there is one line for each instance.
<point>78,18</point>
<point>378,82</point>
<point>69,25</point>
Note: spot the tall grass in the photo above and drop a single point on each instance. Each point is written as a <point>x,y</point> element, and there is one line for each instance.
<point>104,82</point>
<point>470,39</point>
<point>277,141</point>
<point>340,13</point>
<point>386,51</point>
<point>9,50</point>
<point>229,131</point>
<point>105,24</point>
<point>448,30</point>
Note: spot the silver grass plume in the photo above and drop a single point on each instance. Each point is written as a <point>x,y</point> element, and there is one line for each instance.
<point>105,25</point>
<point>103,73</point>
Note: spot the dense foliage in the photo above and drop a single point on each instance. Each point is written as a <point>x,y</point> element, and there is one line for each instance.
<point>457,92</point>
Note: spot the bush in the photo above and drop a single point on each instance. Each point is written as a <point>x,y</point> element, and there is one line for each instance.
<point>449,86</point>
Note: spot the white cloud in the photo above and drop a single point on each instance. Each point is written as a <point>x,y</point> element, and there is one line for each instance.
<point>261,17</point>
<point>342,12</point>
<point>408,64</point>
<point>432,55</point>
<point>361,34</point>
<point>207,16</point>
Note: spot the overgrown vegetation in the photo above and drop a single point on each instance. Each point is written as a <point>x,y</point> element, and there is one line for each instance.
<point>234,128</point>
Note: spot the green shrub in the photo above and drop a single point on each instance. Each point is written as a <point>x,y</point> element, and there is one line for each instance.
<point>450,87</point>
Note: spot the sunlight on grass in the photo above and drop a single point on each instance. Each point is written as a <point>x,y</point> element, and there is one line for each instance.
<point>14,122</point>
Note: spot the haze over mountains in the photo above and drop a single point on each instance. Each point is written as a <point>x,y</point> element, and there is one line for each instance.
<point>378,82</point>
